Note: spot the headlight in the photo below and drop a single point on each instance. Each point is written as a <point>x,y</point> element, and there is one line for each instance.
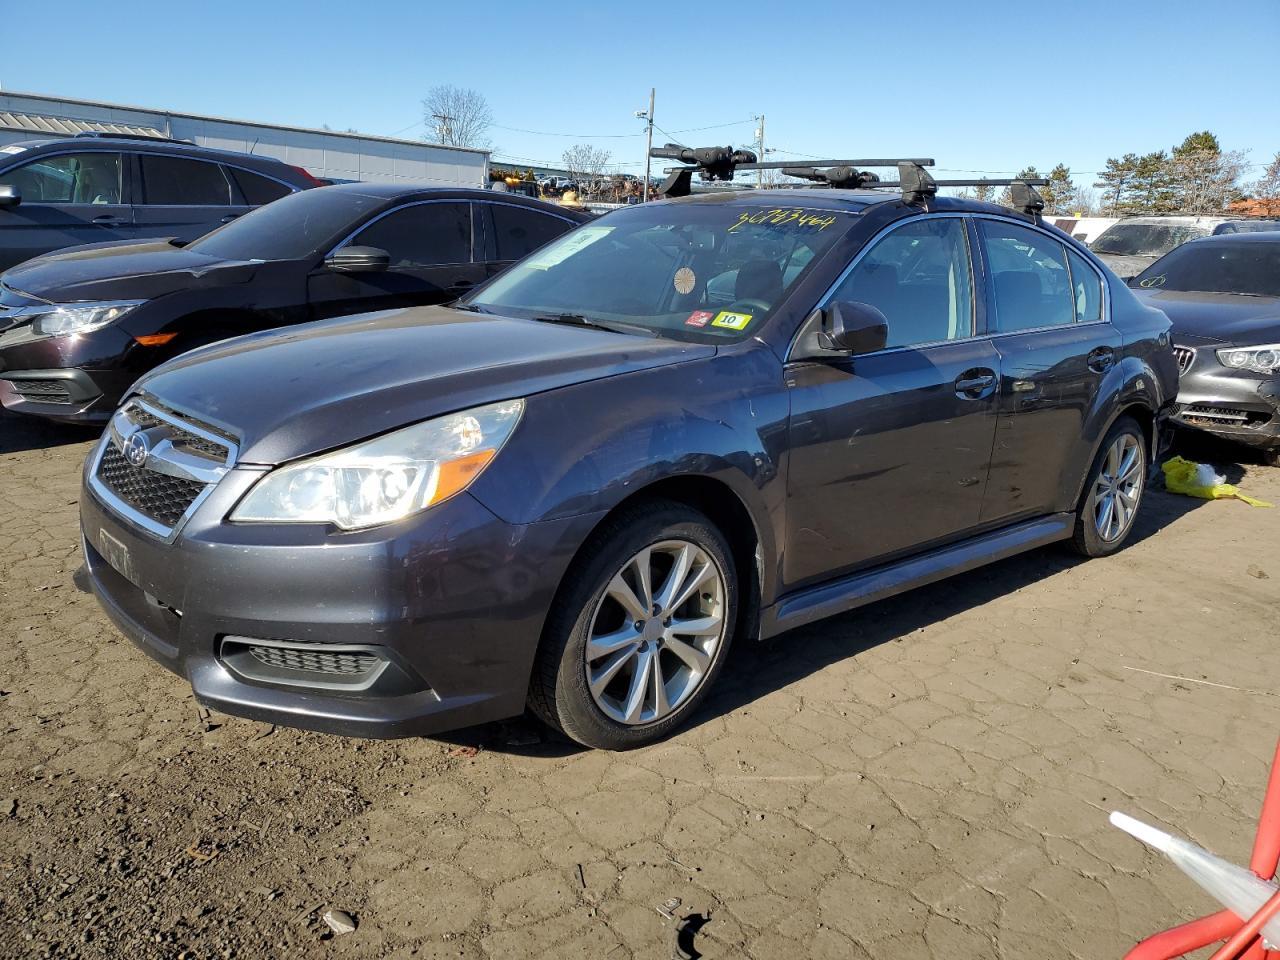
<point>1265,359</point>
<point>388,478</point>
<point>82,317</point>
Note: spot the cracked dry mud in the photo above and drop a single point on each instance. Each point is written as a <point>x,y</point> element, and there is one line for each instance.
<point>928,777</point>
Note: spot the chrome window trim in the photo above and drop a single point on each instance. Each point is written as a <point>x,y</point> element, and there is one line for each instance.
<point>466,201</point>
<point>522,206</point>
<point>114,435</point>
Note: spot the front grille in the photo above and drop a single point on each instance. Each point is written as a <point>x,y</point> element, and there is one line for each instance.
<point>162,498</point>
<point>315,661</point>
<point>43,391</point>
<point>1228,416</point>
<point>1184,356</point>
<point>183,439</point>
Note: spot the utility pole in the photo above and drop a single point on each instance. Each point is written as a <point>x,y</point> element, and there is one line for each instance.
<point>443,130</point>
<point>647,115</point>
<point>760,151</point>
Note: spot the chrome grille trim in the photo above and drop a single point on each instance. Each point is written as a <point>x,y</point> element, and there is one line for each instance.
<point>191,459</point>
<point>1185,357</point>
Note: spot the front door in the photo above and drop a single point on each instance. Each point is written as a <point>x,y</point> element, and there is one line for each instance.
<point>430,246</point>
<point>67,199</point>
<point>889,451</point>
<point>1056,349</point>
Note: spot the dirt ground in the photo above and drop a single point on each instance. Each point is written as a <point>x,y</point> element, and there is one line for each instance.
<point>928,777</point>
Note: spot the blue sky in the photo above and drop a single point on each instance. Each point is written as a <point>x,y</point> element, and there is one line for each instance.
<point>983,87</point>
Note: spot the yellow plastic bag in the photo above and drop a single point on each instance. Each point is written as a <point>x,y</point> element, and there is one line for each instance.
<point>1199,480</point>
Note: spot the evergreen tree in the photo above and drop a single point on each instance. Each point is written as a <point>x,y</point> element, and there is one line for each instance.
<point>1203,178</point>
<point>1115,181</point>
<point>1060,195</point>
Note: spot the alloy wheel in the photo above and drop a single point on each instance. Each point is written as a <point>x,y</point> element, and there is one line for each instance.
<point>1118,488</point>
<point>656,632</point>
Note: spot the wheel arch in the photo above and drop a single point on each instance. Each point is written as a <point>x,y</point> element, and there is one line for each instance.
<point>749,540</point>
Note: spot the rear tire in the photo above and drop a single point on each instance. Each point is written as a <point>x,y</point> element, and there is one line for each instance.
<point>1271,457</point>
<point>640,629</point>
<point>1113,493</point>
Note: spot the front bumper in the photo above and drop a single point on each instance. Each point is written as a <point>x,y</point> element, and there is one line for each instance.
<point>69,396</point>
<point>450,604</point>
<point>1227,403</point>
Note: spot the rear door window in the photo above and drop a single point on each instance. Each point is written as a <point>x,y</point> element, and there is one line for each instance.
<point>256,188</point>
<point>422,235</point>
<point>1029,277</point>
<point>518,231</point>
<point>180,182</point>
<point>92,178</point>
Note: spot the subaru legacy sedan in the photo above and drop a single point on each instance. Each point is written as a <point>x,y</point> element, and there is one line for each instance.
<point>685,425</point>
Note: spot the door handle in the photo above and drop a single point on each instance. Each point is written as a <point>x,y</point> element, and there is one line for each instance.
<point>975,384</point>
<point>110,220</point>
<point>229,217</point>
<point>458,286</point>
<point>1101,359</point>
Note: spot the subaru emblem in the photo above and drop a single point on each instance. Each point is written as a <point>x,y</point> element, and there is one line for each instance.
<point>137,448</point>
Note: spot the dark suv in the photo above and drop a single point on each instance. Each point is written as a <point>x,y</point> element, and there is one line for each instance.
<point>680,425</point>
<point>95,189</point>
<point>78,327</point>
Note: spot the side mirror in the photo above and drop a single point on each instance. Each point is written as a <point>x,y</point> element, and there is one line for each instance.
<point>358,260</point>
<point>852,326</point>
<point>10,196</point>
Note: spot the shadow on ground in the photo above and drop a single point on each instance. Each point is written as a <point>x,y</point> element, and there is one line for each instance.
<point>18,433</point>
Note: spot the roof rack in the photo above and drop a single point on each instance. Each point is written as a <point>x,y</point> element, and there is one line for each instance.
<point>103,135</point>
<point>916,184</point>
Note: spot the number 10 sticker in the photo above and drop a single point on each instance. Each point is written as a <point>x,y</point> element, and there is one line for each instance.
<point>731,321</point>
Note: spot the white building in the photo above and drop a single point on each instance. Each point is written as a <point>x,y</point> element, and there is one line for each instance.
<point>326,154</point>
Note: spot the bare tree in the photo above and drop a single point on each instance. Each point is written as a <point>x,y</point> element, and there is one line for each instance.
<point>459,117</point>
<point>1204,177</point>
<point>585,163</point>
<point>1266,190</point>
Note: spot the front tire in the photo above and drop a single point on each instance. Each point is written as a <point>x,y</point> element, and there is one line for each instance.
<point>640,629</point>
<point>1113,492</point>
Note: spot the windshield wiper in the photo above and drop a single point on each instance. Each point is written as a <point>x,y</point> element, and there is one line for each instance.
<point>578,320</point>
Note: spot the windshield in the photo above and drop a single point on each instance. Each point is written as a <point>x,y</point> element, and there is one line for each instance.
<point>1251,268</point>
<point>290,228</point>
<point>1145,239</point>
<point>706,271</point>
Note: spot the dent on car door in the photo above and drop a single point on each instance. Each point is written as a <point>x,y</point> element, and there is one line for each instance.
<point>889,451</point>
<point>184,198</point>
<point>66,200</point>
<point>431,260</point>
<point>1056,348</point>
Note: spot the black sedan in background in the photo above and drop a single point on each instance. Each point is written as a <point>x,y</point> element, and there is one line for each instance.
<point>79,326</point>
<point>1223,295</point>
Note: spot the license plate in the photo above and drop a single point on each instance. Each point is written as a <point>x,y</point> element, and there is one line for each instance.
<point>117,556</point>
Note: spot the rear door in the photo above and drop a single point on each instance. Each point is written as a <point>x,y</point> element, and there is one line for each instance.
<point>516,231</point>
<point>1056,348</point>
<point>182,197</point>
<point>67,199</point>
<point>889,450</point>
<point>431,247</point>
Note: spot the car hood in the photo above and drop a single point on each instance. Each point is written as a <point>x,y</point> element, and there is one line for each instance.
<point>1230,318</point>
<point>305,389</point>
<point>1125,267</point>
<point>123,271</point>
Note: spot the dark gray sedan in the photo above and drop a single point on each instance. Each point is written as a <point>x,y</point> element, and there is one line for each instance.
<point>1223,295</point>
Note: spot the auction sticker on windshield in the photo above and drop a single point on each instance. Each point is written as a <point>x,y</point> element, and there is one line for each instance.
<point>573,243</point>
<point>732,321</point>
<point>699,318</point>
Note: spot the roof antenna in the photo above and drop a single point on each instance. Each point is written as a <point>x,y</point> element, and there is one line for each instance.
<point>917,185</point>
